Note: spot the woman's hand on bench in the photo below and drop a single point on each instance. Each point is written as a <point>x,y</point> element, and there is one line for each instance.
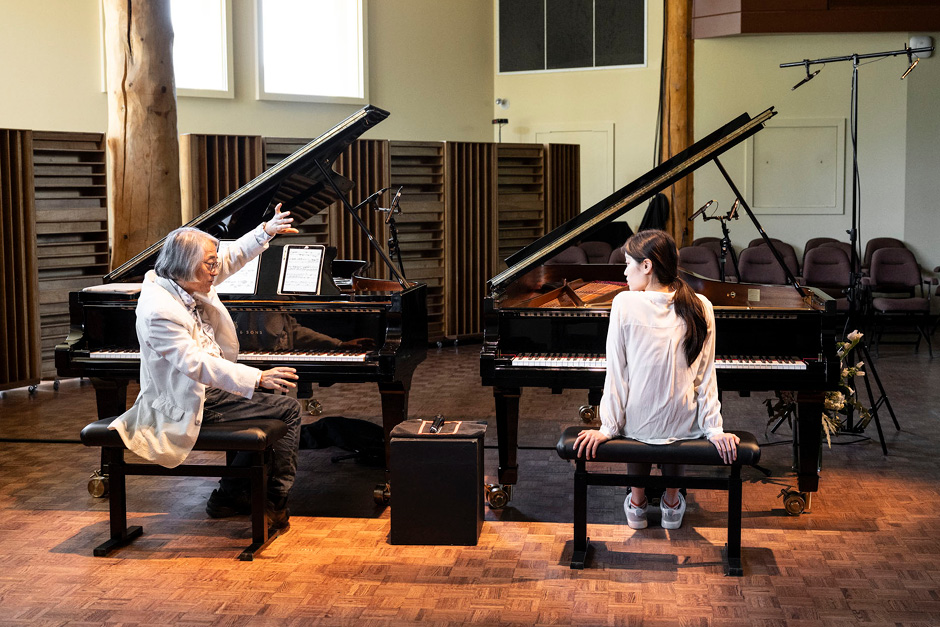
<point>727,444</point>
<point>588,441</point>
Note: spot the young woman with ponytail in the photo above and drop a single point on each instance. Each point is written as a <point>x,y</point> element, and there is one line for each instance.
<point>660,384</point>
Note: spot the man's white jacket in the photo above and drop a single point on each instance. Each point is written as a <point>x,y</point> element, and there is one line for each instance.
<point>164,422</point>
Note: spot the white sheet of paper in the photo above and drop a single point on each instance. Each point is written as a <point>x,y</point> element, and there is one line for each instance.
<point>242,282</point>
<point>300,269</point>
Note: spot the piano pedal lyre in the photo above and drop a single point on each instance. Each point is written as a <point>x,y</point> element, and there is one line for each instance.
<point>588,413</point>
<point>98,485</point>
<point>795,502</point>
<point>497,496</point>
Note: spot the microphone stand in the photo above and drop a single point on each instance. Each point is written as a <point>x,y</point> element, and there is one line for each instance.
<point>854,291</point>
<point>726,246</point>
<point>394,248</point>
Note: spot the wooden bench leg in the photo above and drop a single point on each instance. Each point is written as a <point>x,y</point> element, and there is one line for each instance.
<point>733,548</point>
<point>260,537</point>
<point>113,465</point>
<point>581,541</point>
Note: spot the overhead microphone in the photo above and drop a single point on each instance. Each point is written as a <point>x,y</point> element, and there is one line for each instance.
<point>908,70</point>
<point>702,209</point>
<point>733,214</point>
<point>373,197</point>
<point>393,207</point>
<point>808,78</point>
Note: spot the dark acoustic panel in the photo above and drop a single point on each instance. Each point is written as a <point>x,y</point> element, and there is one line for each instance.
<point>569,34</point>
<point>521,35</point>
<point>619,33</point>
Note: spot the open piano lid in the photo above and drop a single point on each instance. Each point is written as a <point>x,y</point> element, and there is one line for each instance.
<point>629,196</point>
<point>297,182</point>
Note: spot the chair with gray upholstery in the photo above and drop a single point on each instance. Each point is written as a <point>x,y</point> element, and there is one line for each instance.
<point>701,260</point>
<point>877,243</point>
<point>597,252</point>
<point>893,281</point>
<point>758,265</point>
<point>827,268</point>
<point>572,255</point>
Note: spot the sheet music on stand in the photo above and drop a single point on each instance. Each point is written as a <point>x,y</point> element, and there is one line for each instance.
<point>245,281</point>
<point>301,267</point>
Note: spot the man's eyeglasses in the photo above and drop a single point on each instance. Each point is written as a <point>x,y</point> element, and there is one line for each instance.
<point>212,266</point>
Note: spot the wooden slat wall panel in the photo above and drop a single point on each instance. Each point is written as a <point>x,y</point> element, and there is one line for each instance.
<point>70,183</point>
<point>214,166</point>
<point>564,184</point>
<point>418,168</point>
<point>276,149</point>
<point>470,234</point>
<point>521,196</point>
<point>20,357</point>
<point>366,164</point>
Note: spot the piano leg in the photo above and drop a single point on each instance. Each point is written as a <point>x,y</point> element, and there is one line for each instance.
<point>111,397</point>
<point>507,432</point>
<point>808,439</point>
<point>394,410</point>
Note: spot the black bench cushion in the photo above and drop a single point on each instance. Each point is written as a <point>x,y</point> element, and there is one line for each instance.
<point>240,435</point>
<point>695,452</point>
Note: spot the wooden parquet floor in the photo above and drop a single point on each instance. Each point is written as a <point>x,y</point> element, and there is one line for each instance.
<point>868,554</point>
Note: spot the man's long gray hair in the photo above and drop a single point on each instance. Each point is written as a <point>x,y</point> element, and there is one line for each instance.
<point>182,253</point>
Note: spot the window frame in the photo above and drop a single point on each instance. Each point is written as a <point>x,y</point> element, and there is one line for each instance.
<point>185,92</point>
<point>228,93</point>
<point>261,94</point>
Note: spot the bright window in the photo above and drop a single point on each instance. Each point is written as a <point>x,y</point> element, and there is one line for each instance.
<point>202,55</point>
<point>312,50</point>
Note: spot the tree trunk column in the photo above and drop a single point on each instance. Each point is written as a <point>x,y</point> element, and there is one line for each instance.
<point>676,131</point>
<point>143,147</point>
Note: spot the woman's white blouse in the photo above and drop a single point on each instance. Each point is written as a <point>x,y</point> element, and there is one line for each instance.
<point>650,393</point>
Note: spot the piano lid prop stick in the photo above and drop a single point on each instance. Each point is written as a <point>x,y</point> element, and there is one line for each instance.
<point>362,225</point>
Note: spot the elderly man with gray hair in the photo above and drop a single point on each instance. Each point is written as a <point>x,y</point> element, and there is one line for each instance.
<point>188,372</point>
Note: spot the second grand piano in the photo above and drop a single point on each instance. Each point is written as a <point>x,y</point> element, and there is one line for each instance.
<point>545,326</point>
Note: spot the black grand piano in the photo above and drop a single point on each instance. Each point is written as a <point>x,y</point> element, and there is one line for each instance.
<point>374,332</point>
<point>545,326</point>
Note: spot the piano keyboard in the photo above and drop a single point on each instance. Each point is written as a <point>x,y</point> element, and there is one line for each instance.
<point>249,356</point>
<point>586,360</point>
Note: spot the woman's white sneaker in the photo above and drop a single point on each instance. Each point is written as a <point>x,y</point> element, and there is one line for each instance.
<point>672,516</point>
<point>636,516</point>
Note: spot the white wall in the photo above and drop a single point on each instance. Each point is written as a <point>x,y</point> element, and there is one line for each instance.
<point>739,74</point>
<point>922,177</point>
<point>430,66</point>
<point>627,98</point>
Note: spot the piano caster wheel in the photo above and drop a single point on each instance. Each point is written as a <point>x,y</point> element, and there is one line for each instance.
<point>313,407</point>
<point>98,485</point>
<point>588,413</point>
<point>382,494</point>
<point>497,496</point>
<point>795,502</point>
<point>32,389</point>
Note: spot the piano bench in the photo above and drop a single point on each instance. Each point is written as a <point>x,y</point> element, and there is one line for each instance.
<point>690,452</point>
<point>253,436</point>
